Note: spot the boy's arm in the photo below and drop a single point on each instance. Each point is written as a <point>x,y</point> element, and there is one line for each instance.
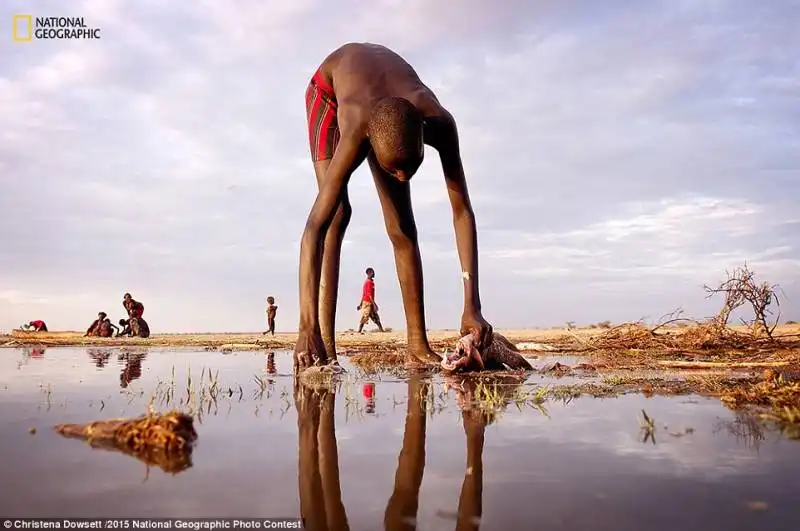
<point>445,140</point>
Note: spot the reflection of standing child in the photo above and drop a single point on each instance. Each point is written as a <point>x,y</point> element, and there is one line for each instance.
<point>272,311</point>
<point>369,395</point>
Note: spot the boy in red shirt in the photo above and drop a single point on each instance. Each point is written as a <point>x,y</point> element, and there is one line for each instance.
<point>369,310</point>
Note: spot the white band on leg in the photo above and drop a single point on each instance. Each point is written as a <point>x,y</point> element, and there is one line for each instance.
<point>465,275</point>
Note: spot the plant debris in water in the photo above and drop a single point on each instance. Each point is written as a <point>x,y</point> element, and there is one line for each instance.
<point>780,398</point>
<point>163,440</point>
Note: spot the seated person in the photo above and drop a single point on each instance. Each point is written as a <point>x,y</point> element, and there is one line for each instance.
<point>101,327</point>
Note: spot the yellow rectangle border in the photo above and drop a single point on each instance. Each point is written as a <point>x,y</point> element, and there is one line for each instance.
<point>16,26</point>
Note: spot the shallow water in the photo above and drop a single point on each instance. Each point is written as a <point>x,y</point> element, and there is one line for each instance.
<point>576,465</point>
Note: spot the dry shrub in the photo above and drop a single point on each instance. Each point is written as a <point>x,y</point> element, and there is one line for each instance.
<point>742,288</point>
<point>739,289</point>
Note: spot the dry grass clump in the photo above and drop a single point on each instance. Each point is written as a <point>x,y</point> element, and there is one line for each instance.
<point>773,391</point>
<point>625,336</point>
<point>163,440</point>
<point>780,397</point>
<point>701,336</point>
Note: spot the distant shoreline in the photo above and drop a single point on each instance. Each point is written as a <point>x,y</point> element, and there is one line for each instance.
<point>345,340</point>
<point>556,338</point>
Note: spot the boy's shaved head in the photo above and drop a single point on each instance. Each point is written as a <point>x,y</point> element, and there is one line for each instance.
<point>395,133</point>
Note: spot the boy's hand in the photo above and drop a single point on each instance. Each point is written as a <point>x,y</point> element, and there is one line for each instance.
<point>474,323</point>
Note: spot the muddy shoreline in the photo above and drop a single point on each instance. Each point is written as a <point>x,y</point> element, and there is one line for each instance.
<point>586,343</point>
<point>559,339</point>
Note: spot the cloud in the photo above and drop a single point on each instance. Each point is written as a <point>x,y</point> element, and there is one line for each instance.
<point>618,157</point>
<point>690,237</point>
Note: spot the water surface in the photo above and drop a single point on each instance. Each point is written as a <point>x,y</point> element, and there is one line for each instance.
<point>575,465</point>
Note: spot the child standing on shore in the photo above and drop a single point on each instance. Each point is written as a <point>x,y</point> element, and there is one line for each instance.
<point>272,311</point>
<point>367,306</point>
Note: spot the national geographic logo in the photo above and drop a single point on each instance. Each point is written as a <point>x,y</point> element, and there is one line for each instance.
<point>26,28</point>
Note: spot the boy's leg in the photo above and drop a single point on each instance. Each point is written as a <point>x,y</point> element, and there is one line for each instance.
<point>331,253</point>
<point>366,311</point>
<point>376,319</point>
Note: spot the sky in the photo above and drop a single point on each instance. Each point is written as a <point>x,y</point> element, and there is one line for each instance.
<point>619,156</point>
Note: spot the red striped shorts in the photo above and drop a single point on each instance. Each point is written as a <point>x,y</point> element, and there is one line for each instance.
<point>323,127</point>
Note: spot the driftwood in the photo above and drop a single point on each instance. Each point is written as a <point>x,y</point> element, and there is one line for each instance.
<point>159,440</point>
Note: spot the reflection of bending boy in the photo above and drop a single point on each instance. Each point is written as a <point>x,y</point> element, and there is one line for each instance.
<point>368,308</point>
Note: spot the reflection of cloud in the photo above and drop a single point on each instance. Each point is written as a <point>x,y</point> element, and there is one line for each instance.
<point>612,425</point>
<point>610,155</point>
<point>551,464</point>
